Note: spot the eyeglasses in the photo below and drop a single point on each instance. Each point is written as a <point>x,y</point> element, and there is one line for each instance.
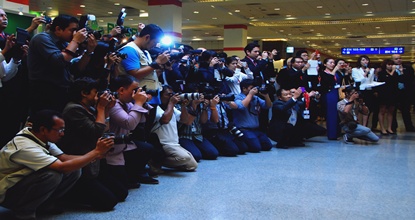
<point>60,131</point>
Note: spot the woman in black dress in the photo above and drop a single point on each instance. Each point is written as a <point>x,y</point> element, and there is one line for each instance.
<point>387,95</point>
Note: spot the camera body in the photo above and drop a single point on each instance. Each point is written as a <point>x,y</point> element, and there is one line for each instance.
<point>114,94</point>
<point>120,22</point>
<point>120,139</point>
<point>121,55</point>
<point>83,23</point>
<point>151,92</point>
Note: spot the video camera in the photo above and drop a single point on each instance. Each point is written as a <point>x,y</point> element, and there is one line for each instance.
<point>83,23</point>
<point>120,22</point>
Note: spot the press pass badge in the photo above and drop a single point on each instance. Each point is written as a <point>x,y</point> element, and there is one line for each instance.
<point>306,114</point>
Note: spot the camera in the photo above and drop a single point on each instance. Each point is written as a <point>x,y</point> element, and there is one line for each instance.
<point>120,22</point>
<point>236,132</point>
<point>189,96</point>
<point>151,92</point>
<point>48,20</point>
<point>83,23</point>
<point>262,89</point>
<point>121,55</point>
<point>228,97</point>
<point>114,94</point>
<point>120,139</point>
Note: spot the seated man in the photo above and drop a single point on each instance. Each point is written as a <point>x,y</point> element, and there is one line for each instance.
<point>290,124</point>
<point>34,172</point>
<point>165,130</point>
<point>245,116</point>
<point>348,110</point>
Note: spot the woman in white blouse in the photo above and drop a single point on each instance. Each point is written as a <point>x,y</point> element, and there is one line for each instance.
<point>363,76</point>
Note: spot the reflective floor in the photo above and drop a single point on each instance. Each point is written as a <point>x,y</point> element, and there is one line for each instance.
<point>324,180</point>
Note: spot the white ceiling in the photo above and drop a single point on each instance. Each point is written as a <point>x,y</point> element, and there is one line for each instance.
<point>335,24</point>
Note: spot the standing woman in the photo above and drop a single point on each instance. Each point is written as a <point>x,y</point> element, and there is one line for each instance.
<point>387,95</point>
<point>329,89</point>
<point>363,75</point>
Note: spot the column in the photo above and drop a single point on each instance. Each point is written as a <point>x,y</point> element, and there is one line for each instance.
<point>168,15</point>
<point>15,5</point>
<point>235,39</point>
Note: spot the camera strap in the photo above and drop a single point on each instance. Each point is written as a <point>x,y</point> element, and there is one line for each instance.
<point>34,140</point>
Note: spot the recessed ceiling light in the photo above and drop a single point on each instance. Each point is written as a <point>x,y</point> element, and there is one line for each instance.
<point>289,34</point>
<point>367,15</point>
<point>319,6</point>
<point>212,6</point>
<point>142,11</point>
<point>82,6</point>
<point>196,12</point>
<point>214,18</point>
<point>344,28</point>
<point>110,12</point>
<point>237,10</point>
<point>327,14</point>
<point>101,20</point>
<point>50,8</point>
<point>377,27</point>
<point>281,30</point>
<point>287,16</point>
<point>369,12</point>
<point>276,9</point>
<point>230,13</point>
<point>311,29</point>
<point>116,3</point>
<point>365,4</point>
<point>130,19</point>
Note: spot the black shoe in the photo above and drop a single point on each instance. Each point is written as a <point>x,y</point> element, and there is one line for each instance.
<point>296,144</point>
<point>147,180</point>
<point>386,133</point>
<point>410,129</point>
<point>133,185</point>
<point>391,133</point>
<point>281,146</point>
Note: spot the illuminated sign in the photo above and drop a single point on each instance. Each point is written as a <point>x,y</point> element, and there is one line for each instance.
<point>372,50</point>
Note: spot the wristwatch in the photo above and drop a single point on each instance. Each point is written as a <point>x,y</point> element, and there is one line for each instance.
<point>155,65</point>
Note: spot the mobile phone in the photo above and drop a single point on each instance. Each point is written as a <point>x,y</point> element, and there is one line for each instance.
<point>21,36</point>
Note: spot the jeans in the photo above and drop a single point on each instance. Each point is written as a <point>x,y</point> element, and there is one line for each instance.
<point>200,150</point>
<point>256,140</point>
<point>361,132</point>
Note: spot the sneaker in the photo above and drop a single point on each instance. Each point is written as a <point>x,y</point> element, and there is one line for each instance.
<point>347,140</point>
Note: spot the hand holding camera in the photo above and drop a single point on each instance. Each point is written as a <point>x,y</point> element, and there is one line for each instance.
<point>163,57</point>
<point>80,36</point>
<point>297,93</point>
<point>103,145</point>
<point>140,97</point>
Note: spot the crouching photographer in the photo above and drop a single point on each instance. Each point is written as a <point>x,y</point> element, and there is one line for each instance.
<point>130,156</point>
<point>225,136</point>
<point>348,110</point>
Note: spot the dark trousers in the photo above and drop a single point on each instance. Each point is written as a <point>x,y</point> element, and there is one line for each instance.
<point>39,189</point>
<point>404,105</point>
<point>200,150</point>
<point>101,193</point>
<point>226,143</point>
<point>256,140</point>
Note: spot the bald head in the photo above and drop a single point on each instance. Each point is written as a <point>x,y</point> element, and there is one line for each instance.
<point>397,59</point>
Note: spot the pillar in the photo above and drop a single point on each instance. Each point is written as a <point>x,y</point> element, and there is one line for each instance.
<point>168,15</point>
<point>235,39</point>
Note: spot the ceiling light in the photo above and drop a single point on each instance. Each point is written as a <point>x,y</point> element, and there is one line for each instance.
<point>130,19</point>
<point>214,18</point>
<point>311,29</point>
<point>116,3</point>
<point>343,28</point>
<point>101,20</point>
<point>144,15</point>
<point>212,6</point>
<point>237,10</point>
<point>288,16</point>
<point>276,9</point>
<point>365,4</point>
<point>327,14</point>
<point>50,8</point>
<point>281,30</point>
<point>230,13</point>
<point>196,12</point>
<point>110,12</point>
<point>377,27</point>
<point>79,14</point>
<point>369,12</point>
<point>82,6</point>
<point>319,6</point>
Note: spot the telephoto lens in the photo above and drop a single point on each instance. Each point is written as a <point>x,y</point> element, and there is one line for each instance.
<point>189,96</point>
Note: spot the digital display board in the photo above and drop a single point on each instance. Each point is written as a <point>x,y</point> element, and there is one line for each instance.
<point>372,50</point>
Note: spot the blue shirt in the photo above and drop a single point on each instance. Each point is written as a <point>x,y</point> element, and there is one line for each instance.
<point>248,117</point>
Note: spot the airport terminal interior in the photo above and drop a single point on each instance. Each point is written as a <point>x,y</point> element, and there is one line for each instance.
<point>325,179</point>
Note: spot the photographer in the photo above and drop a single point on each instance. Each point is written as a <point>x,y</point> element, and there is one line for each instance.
<point>49,62</point>
<point>234,75</point>
<point>348,110</point>
<point>164,134</point>
<point>218,130</point>
<point>290,123</point>
<point>190,132</point>
<point>246,116</point>
<point>130,156</point>
<point>85,119</point>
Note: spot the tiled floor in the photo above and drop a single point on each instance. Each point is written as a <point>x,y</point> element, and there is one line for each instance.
<point>324,180</point>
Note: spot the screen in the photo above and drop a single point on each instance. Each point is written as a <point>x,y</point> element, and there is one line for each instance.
<point>290,50</point>
<point>372,50</point>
